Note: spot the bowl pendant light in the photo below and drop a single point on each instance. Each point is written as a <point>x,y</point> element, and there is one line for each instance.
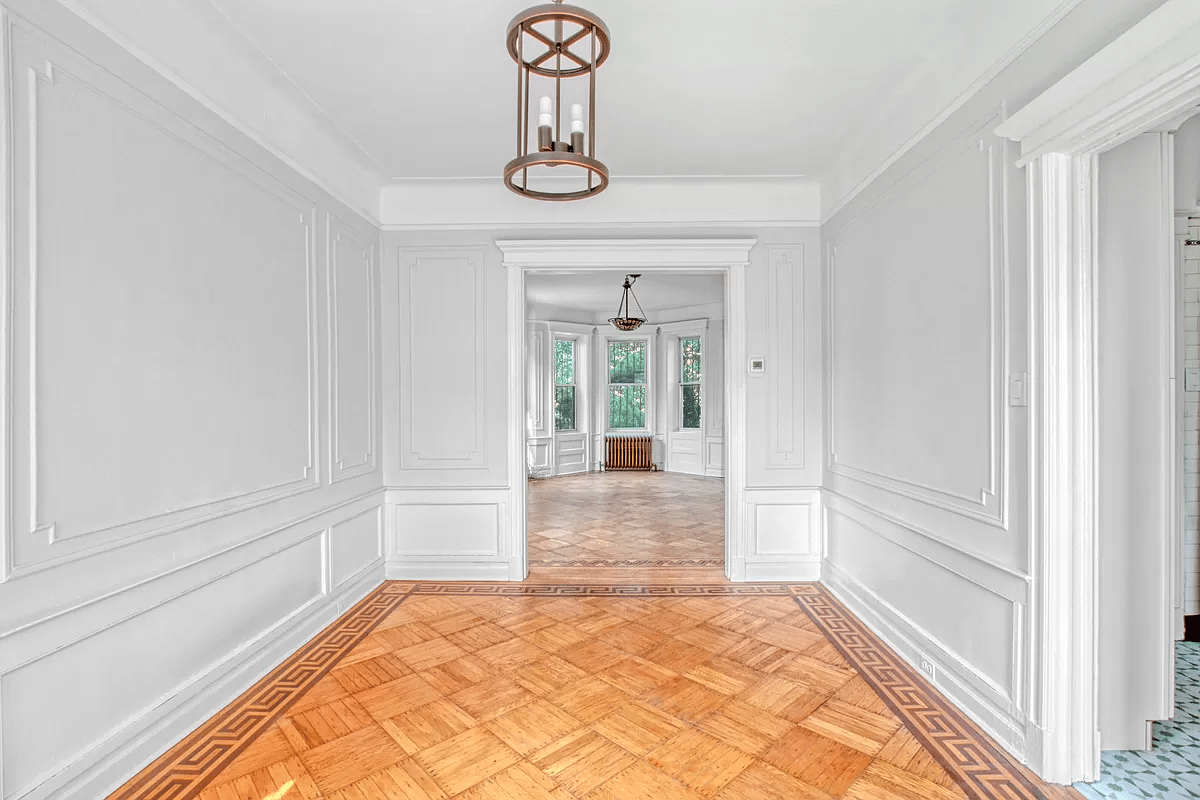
<point>626,322</point>
<point>556,41</point>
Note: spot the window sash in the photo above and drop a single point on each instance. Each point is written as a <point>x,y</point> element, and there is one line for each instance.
<point>698,374</point>
<point>560,419</point>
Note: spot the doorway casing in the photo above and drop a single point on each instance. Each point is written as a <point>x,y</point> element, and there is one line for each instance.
<point>1145,78</point>
<point>728,257</point>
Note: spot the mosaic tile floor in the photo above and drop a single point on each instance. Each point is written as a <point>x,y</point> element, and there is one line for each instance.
<point>1172,769</point>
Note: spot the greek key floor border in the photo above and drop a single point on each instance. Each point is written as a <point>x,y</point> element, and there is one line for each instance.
<point>184,770</point>
<point>979,766</point>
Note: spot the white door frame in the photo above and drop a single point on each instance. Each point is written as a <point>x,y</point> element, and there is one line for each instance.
<point>1143,79</point>
<point>729,257</point>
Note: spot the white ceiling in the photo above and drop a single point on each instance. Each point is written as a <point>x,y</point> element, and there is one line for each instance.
<point>693,87</point>
<point>600,292</point>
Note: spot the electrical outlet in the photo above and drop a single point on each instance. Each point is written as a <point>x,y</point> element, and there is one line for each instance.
<point>928,668</point>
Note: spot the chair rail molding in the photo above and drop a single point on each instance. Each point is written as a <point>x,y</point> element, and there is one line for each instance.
<point>1145,77</point>
<point>729,257</point>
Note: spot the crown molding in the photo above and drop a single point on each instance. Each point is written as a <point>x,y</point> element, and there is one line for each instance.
<point>1137,82</point>
<point>624,253</point>
<point>628,203</point>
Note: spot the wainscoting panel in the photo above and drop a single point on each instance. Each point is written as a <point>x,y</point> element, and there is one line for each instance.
<point>540,456</point>
<point>61,705</point>
<point>714,457</point>
<point>139,351</point>
<point>355,545</point>
<point>784,543</point>
<point>444,357</point>
<point>570,453</point>
<point>975,643</point>
<point>538,373</point>
<point>447,535</point>
<point>353,332</point>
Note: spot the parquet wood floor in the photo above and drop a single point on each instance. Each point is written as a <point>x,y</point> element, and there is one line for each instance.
<point>479,691</point>
<point>627,527</point>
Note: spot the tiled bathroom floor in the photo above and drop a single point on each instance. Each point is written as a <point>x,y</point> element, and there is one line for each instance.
<point>1172,768</point>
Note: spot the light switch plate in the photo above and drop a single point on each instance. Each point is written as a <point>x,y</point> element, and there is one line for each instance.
<point>756,365</point>
<point>1018,389</point>
<point>1191,379</point>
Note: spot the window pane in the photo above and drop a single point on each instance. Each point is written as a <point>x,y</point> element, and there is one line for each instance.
<point>627,362</point>
<point>564,408</point>
<point>627,406</point>
<point>564,361</point>
<point>689,360</point>
<point>691,405</point>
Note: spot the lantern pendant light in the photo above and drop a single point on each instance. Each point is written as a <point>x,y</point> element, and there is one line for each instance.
<point>626,322</point>
<point>557,41</point>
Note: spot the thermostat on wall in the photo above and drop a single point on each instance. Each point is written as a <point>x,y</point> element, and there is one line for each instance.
<point>758,365</point>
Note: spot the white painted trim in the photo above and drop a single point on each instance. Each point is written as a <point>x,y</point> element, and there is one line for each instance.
<point>131,749</point>
<point>412,569</point>
<point>1147,76</point>
<point>727,256</point>
<point>807,571</point>
<point>713,203</point>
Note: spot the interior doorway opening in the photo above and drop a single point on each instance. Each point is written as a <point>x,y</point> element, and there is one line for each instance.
<point>663,396</point>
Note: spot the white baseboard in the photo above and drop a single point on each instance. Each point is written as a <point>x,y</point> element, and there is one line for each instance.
<point>994,714</point>
<point>447,571</point>
<point>104,768</point>
<point>770,571</point>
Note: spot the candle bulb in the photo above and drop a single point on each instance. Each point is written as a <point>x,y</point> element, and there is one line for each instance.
<point>577,118</point>
<point>545,113</point>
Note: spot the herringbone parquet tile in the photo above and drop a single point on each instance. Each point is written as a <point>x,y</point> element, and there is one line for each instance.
<point>477,691</point>
<point>632,527</point>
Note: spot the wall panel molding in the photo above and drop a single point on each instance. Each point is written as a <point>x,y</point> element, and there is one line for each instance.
<point>50,543</point>
<point>342,464</point>
<point>443,294</point>
<point>989,503</point>
<point>785,351</point>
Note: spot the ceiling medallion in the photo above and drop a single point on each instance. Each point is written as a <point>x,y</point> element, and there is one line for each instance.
<point>555,41</point>
<point>626,322</point>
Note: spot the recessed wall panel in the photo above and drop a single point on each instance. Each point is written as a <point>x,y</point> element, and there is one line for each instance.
<point>352,351</point>
<point>354,544</point>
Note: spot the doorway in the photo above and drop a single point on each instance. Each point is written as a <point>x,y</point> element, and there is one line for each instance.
<point>625,427</point>
<point>725,258</point>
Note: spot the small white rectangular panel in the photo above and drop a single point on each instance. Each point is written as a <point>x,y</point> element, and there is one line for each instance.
<point>448,531</point>
<point>354,544</point>
<point>784,530</point>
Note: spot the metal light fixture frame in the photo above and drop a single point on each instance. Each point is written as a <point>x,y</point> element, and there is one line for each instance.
<point>552,151</point>
<point>628,323</point>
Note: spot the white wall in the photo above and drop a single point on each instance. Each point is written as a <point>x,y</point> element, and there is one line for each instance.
<point>192,480</point>
<point>1135,365</point>
<point>784,436</point>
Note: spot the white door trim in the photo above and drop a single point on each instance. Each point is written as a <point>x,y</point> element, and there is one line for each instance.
<point>1146,77</point>
<point>724,256</point>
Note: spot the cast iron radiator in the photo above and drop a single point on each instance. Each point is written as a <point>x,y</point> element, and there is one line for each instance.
<point>627,452</point>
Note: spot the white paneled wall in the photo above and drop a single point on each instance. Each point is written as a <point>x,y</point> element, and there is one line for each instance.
<point>925,324</point>
<point>439,281</point>
<point>191,412</point>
